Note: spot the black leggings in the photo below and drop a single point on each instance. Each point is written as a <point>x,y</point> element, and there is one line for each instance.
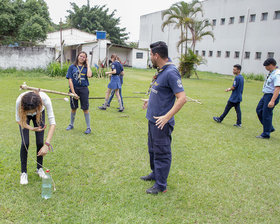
<point>25,142</point>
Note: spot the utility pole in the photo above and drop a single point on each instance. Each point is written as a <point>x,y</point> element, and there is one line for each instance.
<point>61,45</point>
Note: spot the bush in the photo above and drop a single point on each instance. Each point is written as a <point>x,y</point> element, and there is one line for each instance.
<point>188,64</point>
<point>252,76</point>
<point>54,69</point>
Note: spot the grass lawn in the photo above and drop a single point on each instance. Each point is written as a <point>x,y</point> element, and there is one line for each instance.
<point>219,173</point>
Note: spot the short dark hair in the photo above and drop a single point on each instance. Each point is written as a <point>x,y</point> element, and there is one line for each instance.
<point>269,61</point>
<point>160,48</point>
<point>238,67</point>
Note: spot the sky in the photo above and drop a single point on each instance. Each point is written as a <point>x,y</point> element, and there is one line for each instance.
<point>129,11</point>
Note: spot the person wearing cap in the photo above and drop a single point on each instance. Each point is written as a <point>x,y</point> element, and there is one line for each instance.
<point>270,99</point>
<point>161,107</point>
<point>235,97</point>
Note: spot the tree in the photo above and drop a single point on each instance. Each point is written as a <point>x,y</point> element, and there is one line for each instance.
<point>197,29</point>
<point>24,22</point>
<point>91,19</point>
<point>181,14</point>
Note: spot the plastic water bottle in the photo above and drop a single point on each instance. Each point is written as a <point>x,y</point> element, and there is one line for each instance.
<point>47,185</point>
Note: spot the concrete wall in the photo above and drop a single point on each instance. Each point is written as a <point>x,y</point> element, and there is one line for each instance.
<point>26,57</point>
<point>259,36</point>
<point>139,62</point>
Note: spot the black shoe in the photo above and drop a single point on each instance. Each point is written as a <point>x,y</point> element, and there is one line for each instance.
<point>154,190</point>
<point>102,107</point>
<point>272,130</point>
<point>237,125</point>
<point>121,110</point>
<point>217,119</point>
<point>147,178</point>
<point>261,137</point>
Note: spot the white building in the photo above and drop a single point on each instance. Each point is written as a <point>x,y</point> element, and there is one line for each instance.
<point>246,32</point>
<point>99,51</point>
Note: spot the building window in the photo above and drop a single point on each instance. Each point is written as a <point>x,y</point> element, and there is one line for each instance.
<point>247,55</point>
<point>270,54</point>
<point>258,55</point>
<point>203,53</point>
<point>264,16</point>
<point>223,20</point>
<point>210,53</point>
<point>236,54</point>
<point>227,54</point>
<point>196,52</point>
<point>206,22</point>
<point>231,20</point>
<point>139,55</point>
<point>241,19</point>
<point>214,22</point>
<point>252,18</point>
<point>277,15</point>
<point>219,54</point>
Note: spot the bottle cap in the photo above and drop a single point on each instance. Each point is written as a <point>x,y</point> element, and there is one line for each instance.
<point>47,171</point>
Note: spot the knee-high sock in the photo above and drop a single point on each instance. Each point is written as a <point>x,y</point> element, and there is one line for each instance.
<point>87,118</point>
<point>72,118</point>
<point>120,103</point>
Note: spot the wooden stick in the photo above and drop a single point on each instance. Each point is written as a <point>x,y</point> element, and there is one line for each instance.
<point>193,100</point>
<point>24,86</point>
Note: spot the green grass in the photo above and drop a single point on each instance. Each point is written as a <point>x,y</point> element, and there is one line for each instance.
<point>219,173</point>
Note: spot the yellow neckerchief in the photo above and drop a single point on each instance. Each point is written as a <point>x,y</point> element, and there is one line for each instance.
<point>80,72</point>
<point>159,70</point>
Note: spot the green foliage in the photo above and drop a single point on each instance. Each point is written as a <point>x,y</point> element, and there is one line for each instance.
<point>54,69</point>
<point>97,18</point>
<point>24,22</point>
<point>252,76</point>
<point>188,63</point>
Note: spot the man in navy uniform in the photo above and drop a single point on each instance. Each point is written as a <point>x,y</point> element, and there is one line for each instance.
<point>270,98</point>
<point>235,97</point>
<point>161,108</point>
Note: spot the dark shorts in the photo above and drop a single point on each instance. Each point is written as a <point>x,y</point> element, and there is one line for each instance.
<point>83,93</point>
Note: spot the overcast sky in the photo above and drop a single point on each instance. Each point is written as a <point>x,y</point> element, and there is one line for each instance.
<point>128,10</point>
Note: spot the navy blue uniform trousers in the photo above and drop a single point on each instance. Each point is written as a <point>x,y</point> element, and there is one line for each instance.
<point>265,114</point>
<point>228,108</point>
<point>159,144</point>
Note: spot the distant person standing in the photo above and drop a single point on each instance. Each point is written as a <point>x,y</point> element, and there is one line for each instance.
<point>121,79</point>
<point>167,97</point>
<point>77,75</point>
<point>115,83</point>
<point>270,98</point>
<point>235,98</point>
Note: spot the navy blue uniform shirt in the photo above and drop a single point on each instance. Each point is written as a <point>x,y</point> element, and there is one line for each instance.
<point>238,84</point>
<point>117,65</point>
<point>162,97</point>
<point>73,73</point>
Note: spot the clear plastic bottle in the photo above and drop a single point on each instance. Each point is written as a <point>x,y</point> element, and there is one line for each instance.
<point>47,185</point>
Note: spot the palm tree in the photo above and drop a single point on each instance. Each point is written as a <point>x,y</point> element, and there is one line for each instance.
<point>197,29</point>
<point>182,15</point>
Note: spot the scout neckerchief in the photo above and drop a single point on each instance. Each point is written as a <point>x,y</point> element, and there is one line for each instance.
<point>159,70</point>
<point>80,71</point>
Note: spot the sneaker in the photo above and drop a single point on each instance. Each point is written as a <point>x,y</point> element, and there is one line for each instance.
<point>102,107</point>
<point>261,137</point>
<point>154,190</point>
<point>237,125</point>
<point>148,177</point>
<point>217,119</point>
<point>108,105</point>
<point>88,131</point>
<point>70,126</point>
<point>23,179</point>
<point>41,173</point>
<point>121,110</point>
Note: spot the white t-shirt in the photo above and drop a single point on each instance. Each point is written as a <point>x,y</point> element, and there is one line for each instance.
<point>46,103</point>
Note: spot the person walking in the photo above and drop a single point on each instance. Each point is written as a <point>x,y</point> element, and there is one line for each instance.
<point>235,97</point>
<point>270,99</point>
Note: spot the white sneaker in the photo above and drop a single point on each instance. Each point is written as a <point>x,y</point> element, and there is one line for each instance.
<point>41,173</point>
<point>23,178</point>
